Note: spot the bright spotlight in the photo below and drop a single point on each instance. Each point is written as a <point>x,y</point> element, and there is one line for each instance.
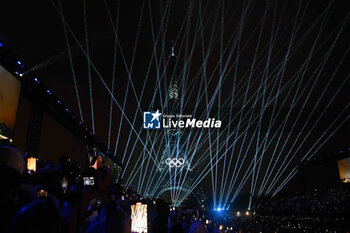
<point>238,214</point>
<point>247,213</point>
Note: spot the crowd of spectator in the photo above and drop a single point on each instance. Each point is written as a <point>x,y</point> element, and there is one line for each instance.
<point>316,202</point>
<point>316,210</point>
<point>54,198</point>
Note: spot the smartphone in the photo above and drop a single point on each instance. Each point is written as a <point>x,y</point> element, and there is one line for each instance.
<point>31,165</point>
<point>88,181</point>
<point>139,218</point>
<point>64,183</point>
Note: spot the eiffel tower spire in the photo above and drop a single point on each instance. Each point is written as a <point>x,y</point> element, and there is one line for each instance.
<point>173,147</point>
<point>173,90</point>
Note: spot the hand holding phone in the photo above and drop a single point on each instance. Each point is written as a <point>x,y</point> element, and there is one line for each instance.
<point>64,183</point>
<point>139,218</point>
<point>88,181</point>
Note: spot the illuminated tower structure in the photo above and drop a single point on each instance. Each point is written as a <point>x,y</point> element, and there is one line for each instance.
<point>172,163</point>
<point>173,147</point>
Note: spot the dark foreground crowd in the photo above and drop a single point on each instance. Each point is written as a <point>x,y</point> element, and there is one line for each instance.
<point>55,199</point>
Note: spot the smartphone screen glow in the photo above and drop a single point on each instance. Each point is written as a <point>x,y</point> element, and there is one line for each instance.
<point>88,181</point>
<point>139,218</point>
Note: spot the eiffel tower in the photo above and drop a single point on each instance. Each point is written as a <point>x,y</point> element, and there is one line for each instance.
<point>174,173</point>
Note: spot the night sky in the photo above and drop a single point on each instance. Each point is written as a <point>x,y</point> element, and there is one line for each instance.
<point>246,43</point>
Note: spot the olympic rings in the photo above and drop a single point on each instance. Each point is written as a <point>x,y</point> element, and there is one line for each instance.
<point>175,162</point>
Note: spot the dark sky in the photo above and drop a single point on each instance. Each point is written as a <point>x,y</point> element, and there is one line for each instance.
<point>241,41</point>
